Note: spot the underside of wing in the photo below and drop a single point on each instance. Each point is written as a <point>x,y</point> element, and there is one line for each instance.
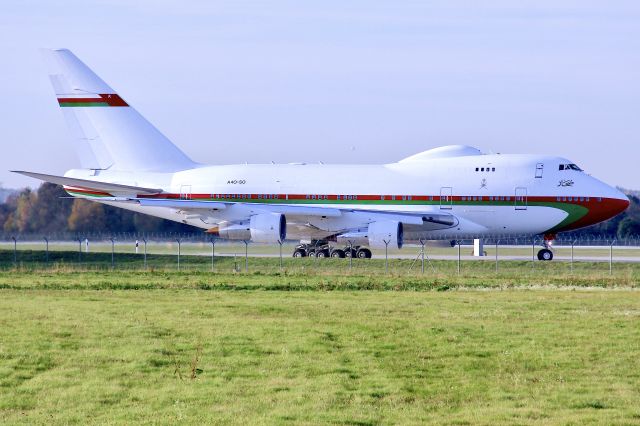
<point>91,184</point>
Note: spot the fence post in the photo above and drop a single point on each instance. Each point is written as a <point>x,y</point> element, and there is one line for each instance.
<point>280,244</point>
<point>386,256</point>
<point>79,250</point>
<point>572,244</point>
<point>46,250</point>
<point>350,255</point>
<point>497,241</point>
<point>113,249</point>
<point>178,241</point>
<point>246,255</point>
<point>213,252</point>
<point>611,256</point>
<point>458,257</point>
<point>15,251</point>
<point>533,252</point>
<point>422,254</point>
<point>144,240</point>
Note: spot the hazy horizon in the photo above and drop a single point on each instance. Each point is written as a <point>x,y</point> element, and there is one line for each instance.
<point>338,82</point>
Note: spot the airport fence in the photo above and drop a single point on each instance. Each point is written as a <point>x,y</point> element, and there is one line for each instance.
<point>199,251</point>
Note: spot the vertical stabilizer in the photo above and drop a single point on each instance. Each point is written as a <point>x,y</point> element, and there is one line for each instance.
<point>108,133</point>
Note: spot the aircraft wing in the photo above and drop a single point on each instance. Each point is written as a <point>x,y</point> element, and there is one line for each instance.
<point>90,184</point>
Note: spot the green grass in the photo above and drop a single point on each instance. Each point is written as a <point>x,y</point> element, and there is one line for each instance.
<point>316,343</point>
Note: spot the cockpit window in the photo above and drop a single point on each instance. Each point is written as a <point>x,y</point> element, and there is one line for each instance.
<point>569,167</point>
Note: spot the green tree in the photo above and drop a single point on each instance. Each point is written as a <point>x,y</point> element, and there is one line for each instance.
<point>51,209</point>
<point>86,216</point>
<point>628,227</point>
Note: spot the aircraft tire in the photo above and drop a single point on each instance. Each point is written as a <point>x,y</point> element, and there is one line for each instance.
<point>338,253</point>
<point>545,255</point>
<point>299,253</point>
<point>363,253</point>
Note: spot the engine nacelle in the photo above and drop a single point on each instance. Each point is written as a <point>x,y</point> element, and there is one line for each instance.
<point>261,228</point>
<point>233,231</point>
<point>268,228</point>
<point>390,231</point>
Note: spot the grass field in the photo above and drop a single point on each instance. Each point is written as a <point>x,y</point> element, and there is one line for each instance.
<point>316,343</point>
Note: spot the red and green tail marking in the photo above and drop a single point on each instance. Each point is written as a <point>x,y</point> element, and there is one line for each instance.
<point>102,100</point>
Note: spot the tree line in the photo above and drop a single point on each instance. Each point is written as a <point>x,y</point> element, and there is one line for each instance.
<point>50,210</point>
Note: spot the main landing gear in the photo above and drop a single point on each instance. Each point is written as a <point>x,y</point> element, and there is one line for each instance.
<point>322,249</point>
<point>546,253</point>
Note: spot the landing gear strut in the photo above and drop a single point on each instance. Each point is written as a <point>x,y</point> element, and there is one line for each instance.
<point>546,253</point>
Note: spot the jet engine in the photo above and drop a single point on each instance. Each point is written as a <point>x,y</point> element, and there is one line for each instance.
<point>268,228</point>
<point>261,228</point>
<point>390,231</point>
<point>376,234</point>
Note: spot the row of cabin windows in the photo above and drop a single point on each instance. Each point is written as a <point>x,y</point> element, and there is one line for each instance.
<point>398,197</point>
<point>485,169</point>
<point>490,198</point>
<point>232,196</point>
<point>578,199</point>
<point>393,197</point>
<point>246,196</point>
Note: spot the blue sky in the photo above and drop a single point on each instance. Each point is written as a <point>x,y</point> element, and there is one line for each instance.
<point>337,81</point>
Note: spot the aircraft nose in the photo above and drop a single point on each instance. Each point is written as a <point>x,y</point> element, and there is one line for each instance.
<point>619,203</point>
<point>615,203</point>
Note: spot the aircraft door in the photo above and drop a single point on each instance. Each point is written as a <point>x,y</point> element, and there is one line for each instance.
<point>521,198</point>
<point>446,198</point>
<point>539,170</point>
<point>185,192</point>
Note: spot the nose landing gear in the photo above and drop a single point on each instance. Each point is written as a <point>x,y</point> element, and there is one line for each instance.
<point>546,253</point>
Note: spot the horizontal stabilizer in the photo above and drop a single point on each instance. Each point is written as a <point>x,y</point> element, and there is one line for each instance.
<point>90,184</point>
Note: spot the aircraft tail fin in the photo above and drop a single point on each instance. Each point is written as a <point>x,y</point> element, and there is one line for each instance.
<point>108,133</point>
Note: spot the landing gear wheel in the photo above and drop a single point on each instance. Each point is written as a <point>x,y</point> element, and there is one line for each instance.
<point>338,253</point>
<point>545,254</point>
<point>350,253</point>
<point>322,253</point>
<point>363,253</point>
<point>311,253</point>
<point>299,253</point>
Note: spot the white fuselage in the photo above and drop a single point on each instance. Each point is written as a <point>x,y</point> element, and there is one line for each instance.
<point>488,194</point>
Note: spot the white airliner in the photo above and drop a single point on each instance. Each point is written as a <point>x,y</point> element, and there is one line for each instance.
<point>451,192</point>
